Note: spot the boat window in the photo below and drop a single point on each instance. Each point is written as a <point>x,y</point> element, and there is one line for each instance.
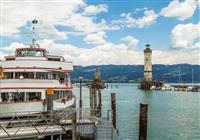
<point>17,96</point>
<point>4,96</point>
<point>61,77</point>
<point>42,75</point>
<point>54,76</point>
<point>59,94</point>
<point>64,94</point>
<point>56,95</point>
<point>8,75</point>
<point>33,96</point>
<point>54,59</point>
<point>67,78</point>
<point>10,58</point>
<point>24,75</point>
<point>34,53</point>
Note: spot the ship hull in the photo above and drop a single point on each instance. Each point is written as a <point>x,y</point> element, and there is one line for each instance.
<point>9,109</point>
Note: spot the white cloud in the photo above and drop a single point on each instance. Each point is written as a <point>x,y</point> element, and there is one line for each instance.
<point>128,21</point>
<point>110,53</point>
<point>131,41</point>
<point>186,36</point>
<point>93,10</point>
<point>140,9</point>
<point>176,57</point>
<point>149,18</point>
<point>181,10</point>
<point>48,31</point>
<point>19,14</point>
<point>82,23</point>
<point>96,38</point>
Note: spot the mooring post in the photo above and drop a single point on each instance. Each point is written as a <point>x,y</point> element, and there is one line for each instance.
<point>95,99</point>
<point>92,100</point>
<point>143,121</point>
<point>50,93</point>
<point>80,100</point>
<point>74,123</point>
<point>113,107</point>
<point>90,92</point>
<point>100,104</point>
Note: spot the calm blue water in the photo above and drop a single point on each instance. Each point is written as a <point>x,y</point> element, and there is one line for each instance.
<point>172,115</point>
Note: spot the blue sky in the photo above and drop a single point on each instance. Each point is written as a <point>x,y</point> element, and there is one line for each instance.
<point>105,32</point>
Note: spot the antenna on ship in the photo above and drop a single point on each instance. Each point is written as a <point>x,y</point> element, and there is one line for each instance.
<point>34,23</point>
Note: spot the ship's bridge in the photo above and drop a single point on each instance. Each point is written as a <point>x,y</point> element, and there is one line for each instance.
<point>35,58</point>
<point>30,52</point>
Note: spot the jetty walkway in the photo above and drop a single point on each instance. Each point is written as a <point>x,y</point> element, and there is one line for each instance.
<point>56,125</point>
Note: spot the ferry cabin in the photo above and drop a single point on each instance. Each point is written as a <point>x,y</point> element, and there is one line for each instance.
<point>29,73</point>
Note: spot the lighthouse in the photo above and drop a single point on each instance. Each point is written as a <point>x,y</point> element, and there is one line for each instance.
<point>147,64</point>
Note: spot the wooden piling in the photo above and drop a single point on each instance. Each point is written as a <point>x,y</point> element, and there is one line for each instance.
<point>143,121</point>
<point>80,100</point>
<point>100,104</point>
<point>113,108</point>
<point>90,97</point>
<point>74,123</point>
<point>92,100</point>
<point>95,99</point>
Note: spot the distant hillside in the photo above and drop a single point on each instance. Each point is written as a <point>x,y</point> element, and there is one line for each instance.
<point>134,73</point>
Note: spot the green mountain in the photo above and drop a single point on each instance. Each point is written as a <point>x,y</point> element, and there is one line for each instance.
<point>134,73</point>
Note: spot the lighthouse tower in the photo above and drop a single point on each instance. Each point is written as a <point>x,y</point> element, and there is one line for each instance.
<point>147,64</point>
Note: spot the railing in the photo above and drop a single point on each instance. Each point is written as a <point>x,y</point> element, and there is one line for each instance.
<point>102,128</point>
<point>33,123</point>
<point>105,130</point>
<point>21,124</point>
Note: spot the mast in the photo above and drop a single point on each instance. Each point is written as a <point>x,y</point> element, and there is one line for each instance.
<point>34,24</point>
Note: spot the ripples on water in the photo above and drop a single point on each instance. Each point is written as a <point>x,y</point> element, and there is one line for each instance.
<point>172,115</point>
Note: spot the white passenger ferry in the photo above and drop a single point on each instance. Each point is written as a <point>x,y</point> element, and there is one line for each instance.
<point>26,77</point>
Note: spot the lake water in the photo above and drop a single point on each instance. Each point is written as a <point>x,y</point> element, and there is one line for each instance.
<point>172,115</point>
